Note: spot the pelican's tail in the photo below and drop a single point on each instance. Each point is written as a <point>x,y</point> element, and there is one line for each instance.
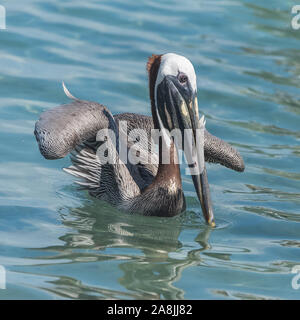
<point>85,166</point>
<point>67,92</point>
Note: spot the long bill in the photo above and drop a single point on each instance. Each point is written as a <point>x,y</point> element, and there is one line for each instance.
<point>179,104</point>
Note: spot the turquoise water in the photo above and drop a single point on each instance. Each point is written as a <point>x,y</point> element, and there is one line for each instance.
<point>57,242</point>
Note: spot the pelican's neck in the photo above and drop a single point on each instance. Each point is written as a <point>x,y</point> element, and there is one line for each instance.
<point>166,188</point>
<point>168,173</point>
<point>171,171</point>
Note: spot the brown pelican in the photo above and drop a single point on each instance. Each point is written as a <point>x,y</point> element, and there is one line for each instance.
<point>149,189</point>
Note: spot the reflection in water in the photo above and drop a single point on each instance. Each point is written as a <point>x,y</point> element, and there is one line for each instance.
<point>266,192</point>
<point>274,20</point>
<point>240,295</point>
<point>273,213</point>
<point>149,270</point>
<point>258,127</point>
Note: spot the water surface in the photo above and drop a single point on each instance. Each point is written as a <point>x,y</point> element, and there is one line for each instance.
<point>59,243</point>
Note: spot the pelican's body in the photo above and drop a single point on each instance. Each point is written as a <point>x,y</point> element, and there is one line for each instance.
<point>152,188</point>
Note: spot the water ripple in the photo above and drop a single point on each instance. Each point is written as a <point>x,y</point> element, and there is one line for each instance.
<point>58,242</point>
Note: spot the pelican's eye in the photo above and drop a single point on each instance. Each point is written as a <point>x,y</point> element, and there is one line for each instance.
<point>182,78</point>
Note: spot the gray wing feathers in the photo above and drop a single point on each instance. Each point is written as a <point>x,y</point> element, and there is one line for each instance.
<point>60,129</point>
<point>218,151</point>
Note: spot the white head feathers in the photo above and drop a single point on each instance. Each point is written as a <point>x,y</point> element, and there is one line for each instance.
<point>172,64</point>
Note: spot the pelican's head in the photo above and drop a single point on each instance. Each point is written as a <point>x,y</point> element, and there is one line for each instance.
<point>173,94</point>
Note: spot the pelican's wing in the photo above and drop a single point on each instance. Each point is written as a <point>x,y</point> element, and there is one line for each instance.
<point>218,151</point>
<point>61,129</point>
<point>74,127</point>
<point>215,149</point>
